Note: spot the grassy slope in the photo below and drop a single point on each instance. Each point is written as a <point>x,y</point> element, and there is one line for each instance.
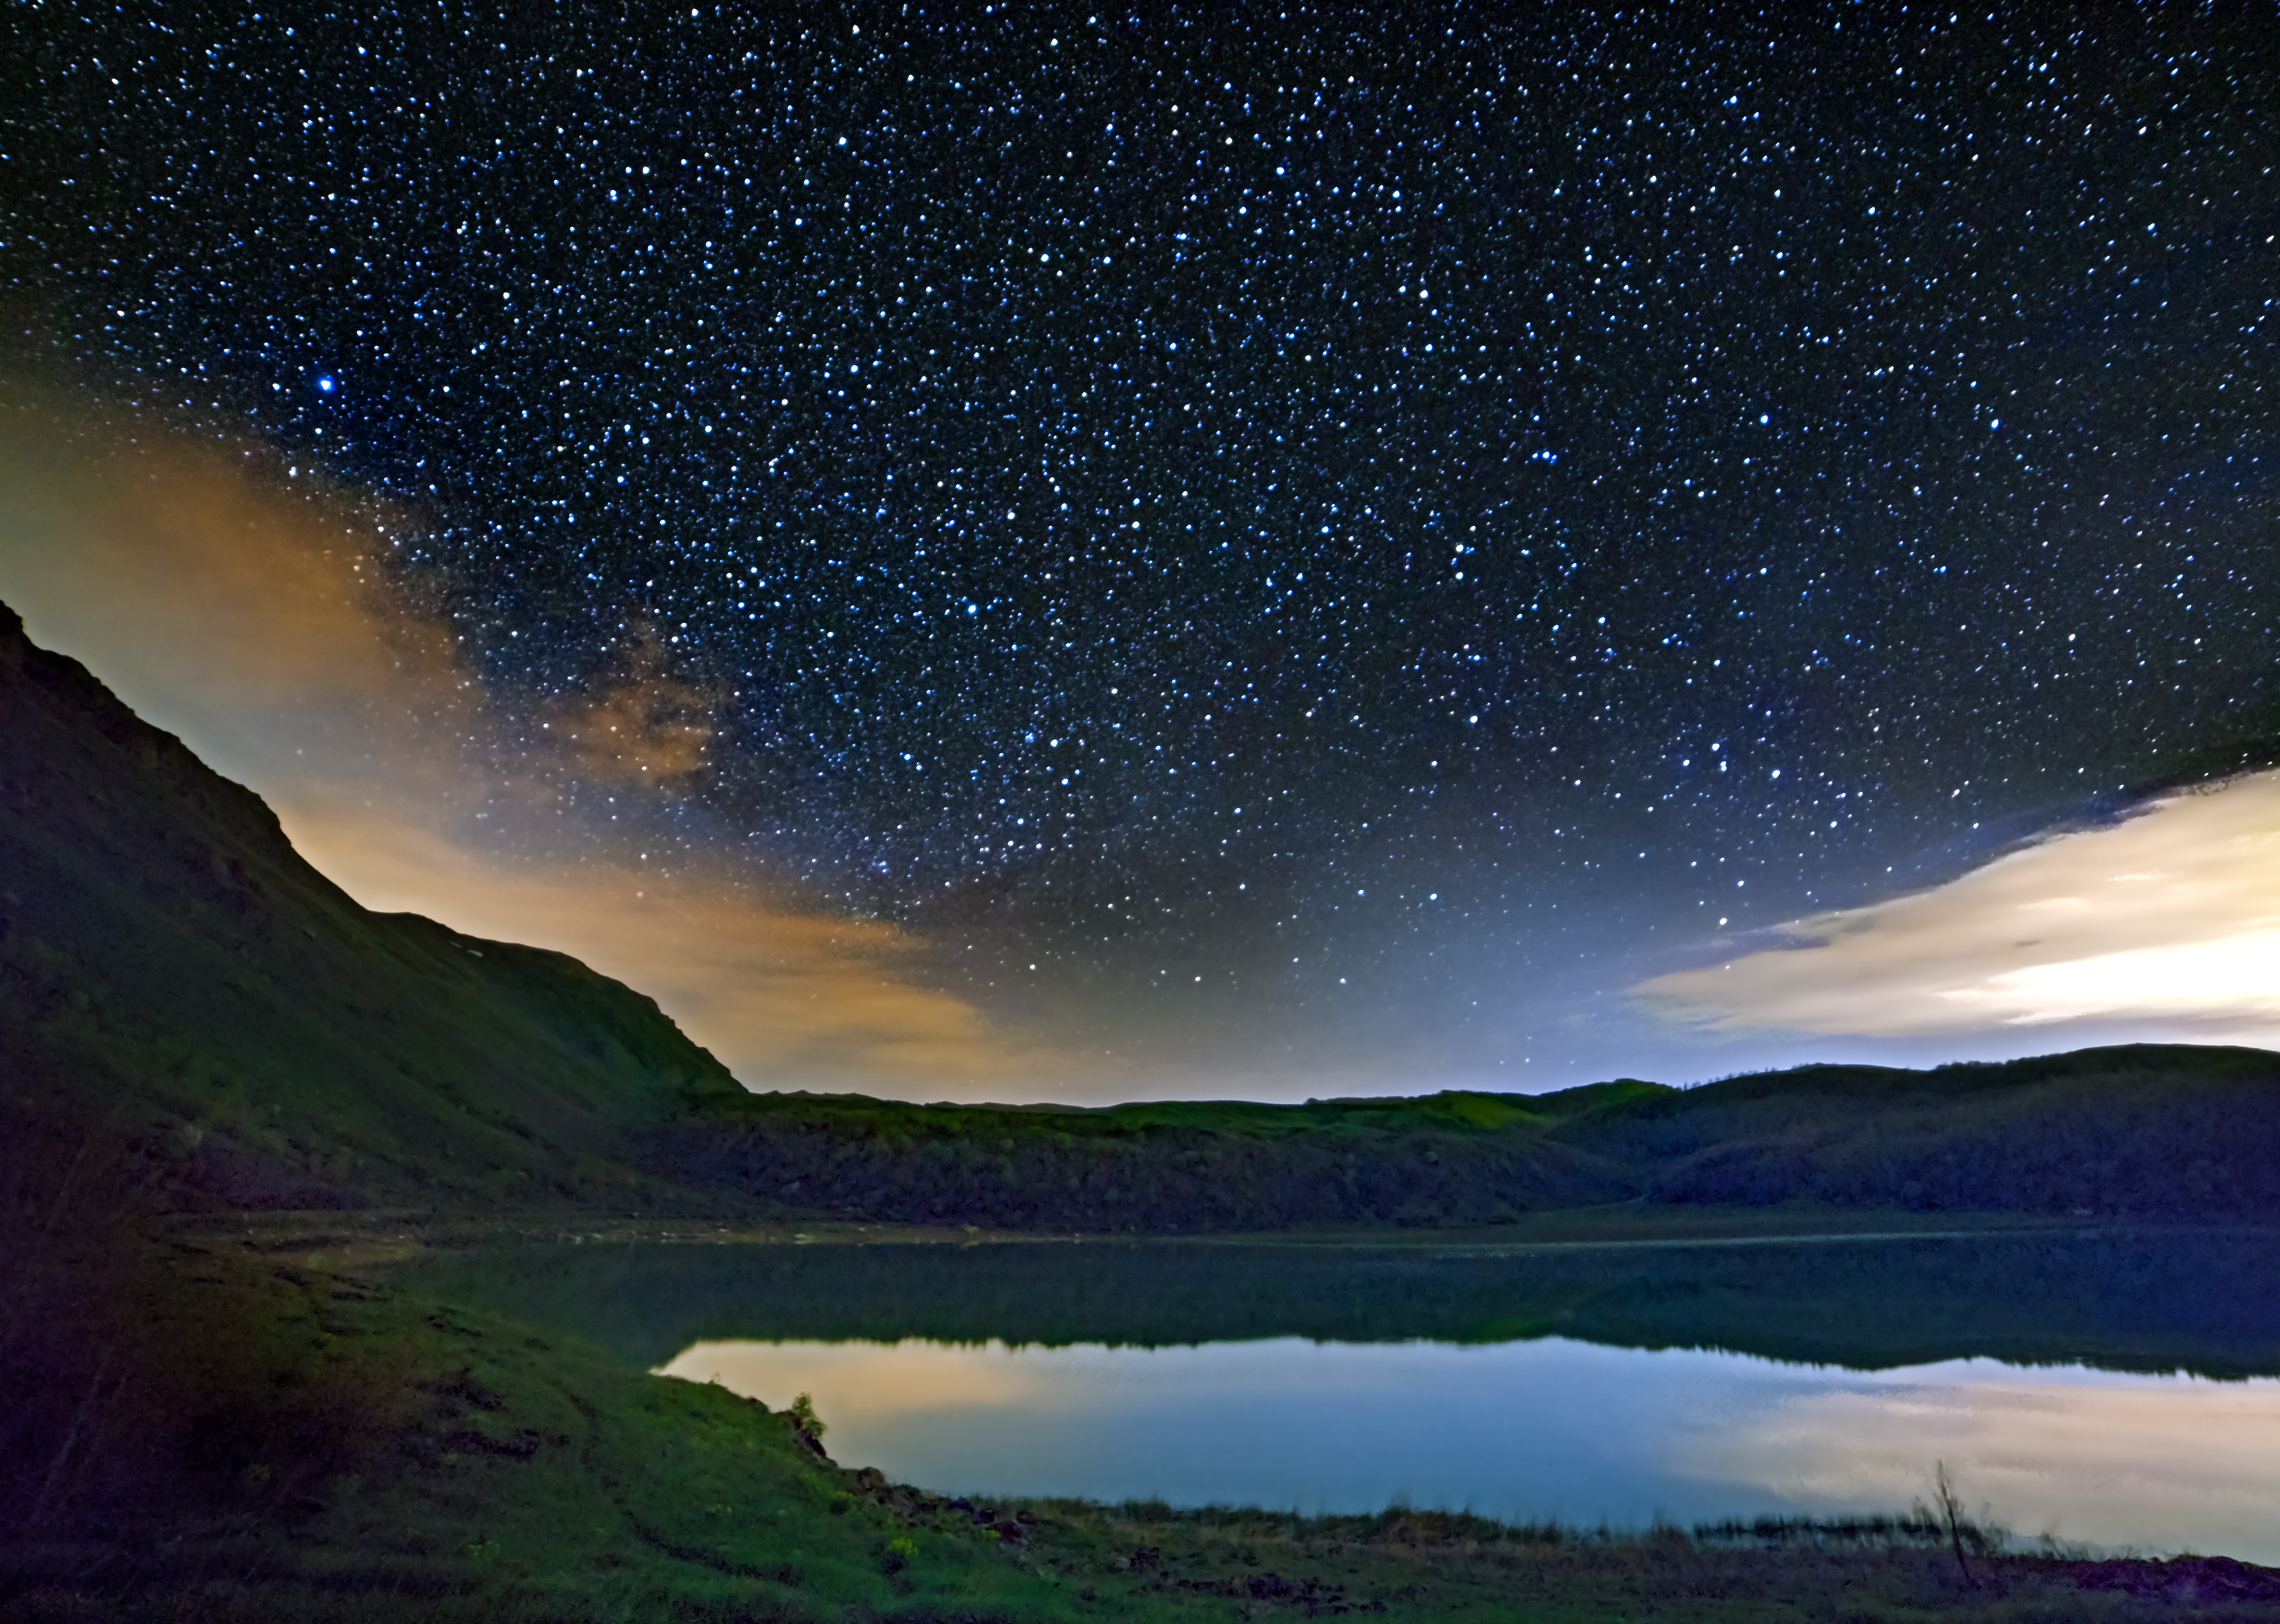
<point>177,981</point>
<point>316,1446</point>
<point>2175,1133</point>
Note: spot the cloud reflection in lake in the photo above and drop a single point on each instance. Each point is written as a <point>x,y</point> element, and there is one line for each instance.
<point>2162,1462</point>
<point>1543,1428</point>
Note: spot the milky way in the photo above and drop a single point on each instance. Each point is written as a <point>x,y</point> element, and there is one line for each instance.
<point>1250,526</point>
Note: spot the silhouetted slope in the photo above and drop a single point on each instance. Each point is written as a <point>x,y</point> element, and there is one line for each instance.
<point>2177,1133</point>
<point>2167,1131</point>
<point>177,981</point>
<point>1168,1168</point>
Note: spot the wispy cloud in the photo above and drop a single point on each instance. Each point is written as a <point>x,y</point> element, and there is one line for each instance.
<point>784,998</point>
<point>2168,922</point>
<point>642,724</point>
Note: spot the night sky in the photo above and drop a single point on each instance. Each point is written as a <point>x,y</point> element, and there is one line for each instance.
<point>1266,536</point>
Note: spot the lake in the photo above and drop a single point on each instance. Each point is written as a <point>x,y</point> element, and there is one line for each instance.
<point>2109,1388</point>
<point>1549,1429</point>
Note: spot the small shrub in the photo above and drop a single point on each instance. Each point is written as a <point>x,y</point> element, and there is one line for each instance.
<point>802,1413</point>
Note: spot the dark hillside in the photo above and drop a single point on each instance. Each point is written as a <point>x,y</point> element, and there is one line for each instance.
<point>2173,1132</point>
<point>195,1021</point>
<point>176,980</point>
<point>2170,1133</point>
<point>1165,1168</point>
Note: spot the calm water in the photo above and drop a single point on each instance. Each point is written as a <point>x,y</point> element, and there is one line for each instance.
<point>1544,1428</point>
<point>2049,1372</point>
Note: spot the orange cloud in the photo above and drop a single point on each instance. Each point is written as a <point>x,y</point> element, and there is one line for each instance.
<point>785,999</point>
<point>227,596</point>
<point>646,726</point>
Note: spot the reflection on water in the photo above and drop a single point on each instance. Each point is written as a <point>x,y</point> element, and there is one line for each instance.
<point>1544,1428</point>
<point>1520,1381</point>
<point>2207,1301</point>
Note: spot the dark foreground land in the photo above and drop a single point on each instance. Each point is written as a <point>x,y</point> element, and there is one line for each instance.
<point>228,1094</point>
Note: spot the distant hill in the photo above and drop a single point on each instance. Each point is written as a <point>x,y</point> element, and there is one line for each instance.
<point>2174,1132</point>
<point>1168,1168</point>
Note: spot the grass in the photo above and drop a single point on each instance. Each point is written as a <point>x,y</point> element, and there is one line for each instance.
<point>359,1448</point>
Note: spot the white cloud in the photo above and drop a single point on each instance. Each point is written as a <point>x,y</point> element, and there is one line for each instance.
<point>2169,919</point>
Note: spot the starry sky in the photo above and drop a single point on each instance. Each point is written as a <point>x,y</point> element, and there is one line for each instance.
<point>1281,541</point>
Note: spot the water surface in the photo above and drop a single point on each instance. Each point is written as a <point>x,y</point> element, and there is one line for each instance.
<point>2111,1387</point>
<point>1549,1429</point>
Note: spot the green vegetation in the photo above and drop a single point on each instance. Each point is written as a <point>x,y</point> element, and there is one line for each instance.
<point>177,988</point>
<point>197,1029</point>
<point>1176,1168</point>
<point>2170,1132</point>
<point>302,1445</point>
<point>2174,1133</point>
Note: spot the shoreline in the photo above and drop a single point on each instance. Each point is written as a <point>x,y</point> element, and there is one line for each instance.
<point>329,1237</point>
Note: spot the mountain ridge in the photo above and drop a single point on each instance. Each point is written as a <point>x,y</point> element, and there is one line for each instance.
<point>255,1037</point>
